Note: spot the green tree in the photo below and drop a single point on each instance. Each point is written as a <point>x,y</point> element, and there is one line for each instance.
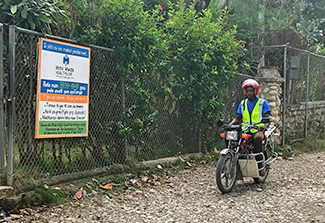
<point>85,20</point>
<point>200,51</point>
<point>183,53</point>
<point>313,24</point>
<point>38,15</point>
<point>275,18</point>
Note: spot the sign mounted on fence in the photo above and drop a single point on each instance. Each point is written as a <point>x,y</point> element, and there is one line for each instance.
<point>62,90</point>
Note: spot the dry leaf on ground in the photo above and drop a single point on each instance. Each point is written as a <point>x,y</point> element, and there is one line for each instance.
<point>155,177</point>
<point>107,187</point>
<point>78,195</point>
<point>24,212</point>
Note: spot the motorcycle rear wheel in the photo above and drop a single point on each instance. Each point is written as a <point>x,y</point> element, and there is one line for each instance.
<point>226,173</point>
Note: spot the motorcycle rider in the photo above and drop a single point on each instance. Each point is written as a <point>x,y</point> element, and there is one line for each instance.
<point>250,112</point>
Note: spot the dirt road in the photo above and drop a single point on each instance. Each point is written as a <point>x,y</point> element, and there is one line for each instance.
<point>294,192</point>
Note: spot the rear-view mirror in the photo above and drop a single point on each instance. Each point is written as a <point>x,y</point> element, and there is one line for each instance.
<point>220,122</point>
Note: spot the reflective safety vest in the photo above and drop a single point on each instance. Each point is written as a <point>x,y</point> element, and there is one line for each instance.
<point>255,117</point>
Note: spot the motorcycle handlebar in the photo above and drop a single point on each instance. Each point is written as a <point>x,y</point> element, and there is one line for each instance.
<point>239,127</point>
<point>232,127</point>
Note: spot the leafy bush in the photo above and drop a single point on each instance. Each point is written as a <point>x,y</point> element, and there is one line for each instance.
<point>32,14</point>
<point>174,61</point>
<point>200,51</point>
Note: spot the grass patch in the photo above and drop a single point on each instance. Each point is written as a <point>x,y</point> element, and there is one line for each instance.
<point>284,153</point>
<point>311,144</point>
<point>50,196</point>
<point>118,179</point>
<point>45,196</point>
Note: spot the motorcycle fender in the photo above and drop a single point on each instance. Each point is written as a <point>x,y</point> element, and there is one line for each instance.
<point>224,151</point>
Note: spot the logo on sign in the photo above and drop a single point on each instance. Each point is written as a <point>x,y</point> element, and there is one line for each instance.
<point>66,60</point>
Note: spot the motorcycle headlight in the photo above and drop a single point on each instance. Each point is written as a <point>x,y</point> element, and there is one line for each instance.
<point>232,135</point>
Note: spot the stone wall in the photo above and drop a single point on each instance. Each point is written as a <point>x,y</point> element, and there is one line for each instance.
<point>271,90</point>
<point>296,119</point>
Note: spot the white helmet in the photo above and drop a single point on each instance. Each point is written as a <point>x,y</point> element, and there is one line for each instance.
<point>251,83</point>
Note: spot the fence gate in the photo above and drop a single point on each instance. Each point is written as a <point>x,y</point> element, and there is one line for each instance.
<point>303,96</point>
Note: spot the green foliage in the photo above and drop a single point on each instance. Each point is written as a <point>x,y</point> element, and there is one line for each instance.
<point>313,21</point>
<point>172,61</point>
<point>85,20</point>
<point>283,153</point>
<point>117,179</point>
<point>132,32</point>
<point>200,51</point>
<point>138,117</point>
<point>169,46</point>
<point>311,144</point>
<point>319,48</point>
<point>49,196</point>
<point>248,15</point>
<point>255,17</point>
<point>33,14</point>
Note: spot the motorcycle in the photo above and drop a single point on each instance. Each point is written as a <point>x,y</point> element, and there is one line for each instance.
<point>238,160</point>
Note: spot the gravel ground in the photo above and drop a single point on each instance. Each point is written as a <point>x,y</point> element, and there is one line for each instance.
<point>294,192</point>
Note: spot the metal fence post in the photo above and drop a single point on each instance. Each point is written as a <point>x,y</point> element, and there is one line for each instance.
<point>284,95</point>
<point>11,103</point>
<point>124,107</point>
<point>2,148</point>
<point>200,140</point>
<point>307,95</point>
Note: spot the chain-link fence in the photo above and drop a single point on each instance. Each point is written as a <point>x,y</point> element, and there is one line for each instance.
<point>165,130</point>
<point>303,96</point>
<point>116,108</point>
<point>136,119</point>
<point>233,95</point>
<point>42,158</point>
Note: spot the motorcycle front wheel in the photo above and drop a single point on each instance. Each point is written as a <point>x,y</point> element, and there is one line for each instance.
<point>226,173</point>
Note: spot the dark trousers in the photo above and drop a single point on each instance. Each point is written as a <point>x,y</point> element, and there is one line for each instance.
<point>258,147</point>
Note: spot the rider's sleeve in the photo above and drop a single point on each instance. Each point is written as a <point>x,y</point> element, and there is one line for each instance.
<point>239,109</point>
<point>265,108</point>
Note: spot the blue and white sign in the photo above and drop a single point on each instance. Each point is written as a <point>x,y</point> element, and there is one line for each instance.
<point>63,90</point>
